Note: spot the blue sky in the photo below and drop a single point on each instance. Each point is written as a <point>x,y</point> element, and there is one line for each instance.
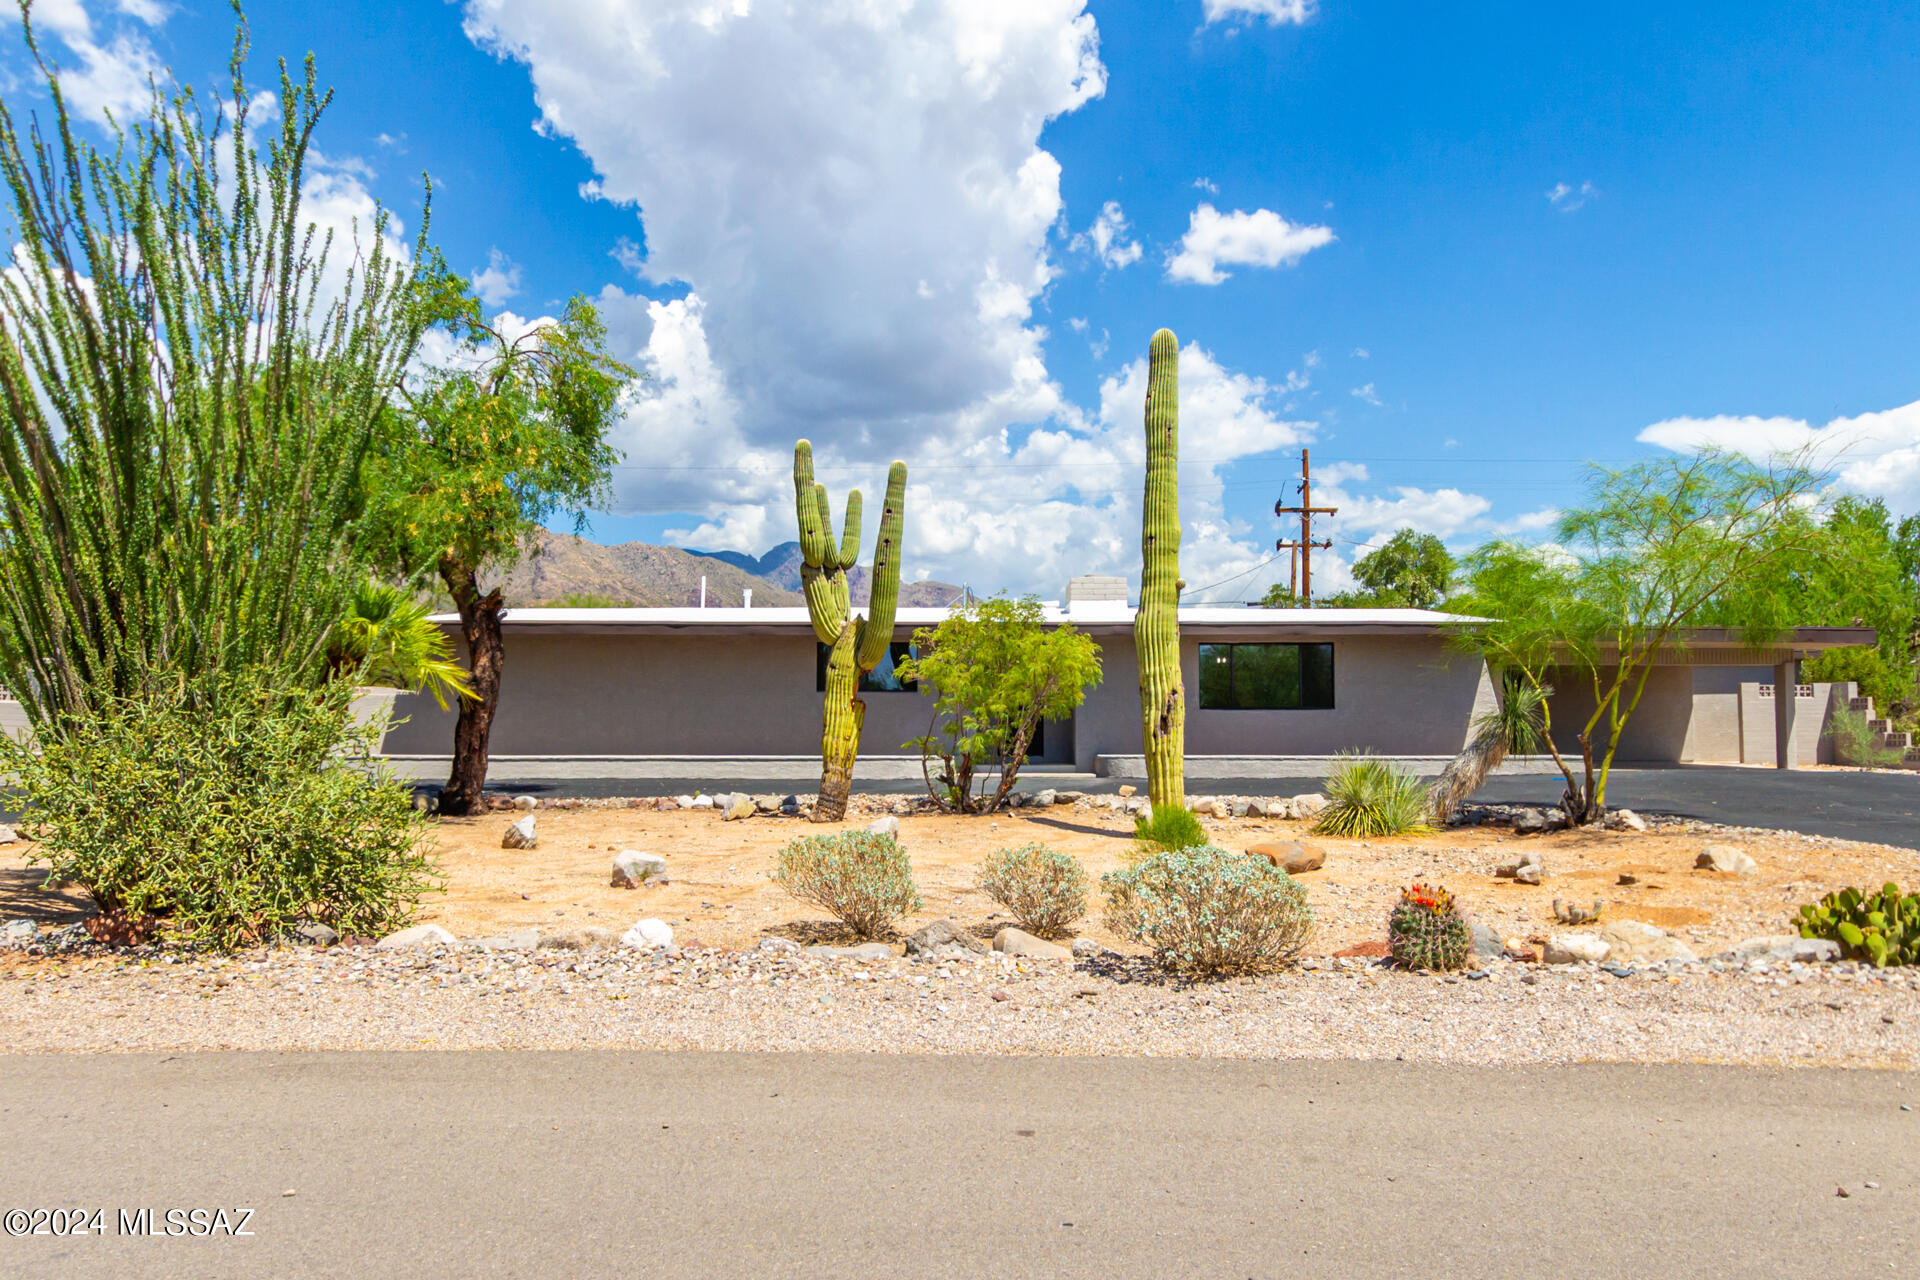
<point>1456,250</point>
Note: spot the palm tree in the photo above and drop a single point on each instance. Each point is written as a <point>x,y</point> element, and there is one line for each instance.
<point>388,641</point>
<point>1516,724</point>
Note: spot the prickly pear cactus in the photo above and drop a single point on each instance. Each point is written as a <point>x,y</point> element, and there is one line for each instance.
<point>1427,931</point>
<point>855,644</point>
<point>1881,928</point>
<point>1156,628</point>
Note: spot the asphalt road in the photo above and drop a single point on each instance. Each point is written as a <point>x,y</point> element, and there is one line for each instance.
<point>1881,807</point>
<point>692,1165</point>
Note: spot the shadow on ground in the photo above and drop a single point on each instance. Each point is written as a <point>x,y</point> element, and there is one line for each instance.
<point>23,893</point>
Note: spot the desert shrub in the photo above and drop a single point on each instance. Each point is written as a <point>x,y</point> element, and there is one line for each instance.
<point>1855,744</point>
<point>1426,930</point>
<point>1045,890</point>
<point>1166,829</point>
<point>1206,911</point>
<point>1881,928</point>
<point>862,878</point>
<point>223,815</point>
<point>1368,796</point>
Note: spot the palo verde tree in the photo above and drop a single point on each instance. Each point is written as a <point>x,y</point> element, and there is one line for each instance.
<point>1659,548</point>
<point>996,672</point>
<point>479,453</point>
<point>187,393</point>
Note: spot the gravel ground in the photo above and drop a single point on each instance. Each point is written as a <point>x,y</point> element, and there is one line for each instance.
<point>461,997</point>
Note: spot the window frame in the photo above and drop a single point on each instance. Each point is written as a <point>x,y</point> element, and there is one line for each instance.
<point>1300,667</point>
<point>896,651</point>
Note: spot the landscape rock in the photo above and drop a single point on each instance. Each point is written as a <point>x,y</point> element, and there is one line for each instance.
<point>1626,820</point>
<point>683,802</point>
<point>1049,796</point>
<point>887,826</point>
<point>785,946</point>
<point>1289,856</point>
<point>1487,945</point>
<point>8,835</point>
<point>1281,808</point>
<point>526,803</point>
<point>939,935</point>
<point>789,805</point>
<point>1309,806</point>
<point>700,802</point>
<point>1785,948</point>
<point>521,835</point>
<point>1018,942</point>
<point>632,868</point>
<point>318,934</point>
<point>1632,942</point>
<point>1519,949</point>
<point>1088,949</point>
<point>585,938</point>
<point>1575,948</point>
<point>1728,859</point>
<point>1127,789</point>
<point>648,935</point>
<point>421,935</point>
<point>1241,808</point>
<point>519,940</point>
<point>1528,870</point>
<point>738,807</point>
<point>1531,822</point>
<point>864,951</point>
<point>19,931</point>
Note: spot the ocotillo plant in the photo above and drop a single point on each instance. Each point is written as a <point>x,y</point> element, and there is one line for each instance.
<point>1156,628</point>
<point>855,644</point>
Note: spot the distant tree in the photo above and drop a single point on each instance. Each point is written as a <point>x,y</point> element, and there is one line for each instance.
<point>996,672</point>
<point>1413,570</point>
<point>1659,548</point>
<point>485,449</point>
<point>1279,596</point>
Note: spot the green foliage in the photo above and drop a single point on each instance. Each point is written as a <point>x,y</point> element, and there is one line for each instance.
<point>1856,744</point>
<point>1205,911</point>
<point>225,815</point>
<point>184,406</point>
<point>1409,570</point>
<point>1045,890</point>
<point>1168,827</point>
<point>1368,796</point>
<point>1427,931</point>
<point>1659,547</point>
<point>1881,928</point>
<point>997,672</point>
<point>387,640</point>
<point>864,879</point>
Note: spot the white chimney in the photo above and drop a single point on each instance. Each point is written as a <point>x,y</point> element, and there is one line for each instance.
<point>703,591</point>
<point>749,594</point>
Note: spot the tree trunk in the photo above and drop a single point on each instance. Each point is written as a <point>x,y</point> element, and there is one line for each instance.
<point>486,658</point>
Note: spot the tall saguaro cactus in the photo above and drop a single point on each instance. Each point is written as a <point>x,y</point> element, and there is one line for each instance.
<point>855,644</point>
<point>1156,627</point>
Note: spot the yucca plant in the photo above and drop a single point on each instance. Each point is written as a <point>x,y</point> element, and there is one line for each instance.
<point>188,386</point>
<point>1516,726</point>
<point>1368,796</point>
<point>387,639</point>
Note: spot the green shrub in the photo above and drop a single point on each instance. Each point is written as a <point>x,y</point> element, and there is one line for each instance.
<point>1046,891</point>
<point>1206,911</point>
<point>862,878</point>
<point>1166,829</point>
<point>1368,796</point>
<point>1427,931</point>
<point>224,816</point>
<point>1882,928</point>
<point>1855,744</point>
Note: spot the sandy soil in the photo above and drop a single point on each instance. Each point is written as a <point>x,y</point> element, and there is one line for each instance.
<point>722,893</point>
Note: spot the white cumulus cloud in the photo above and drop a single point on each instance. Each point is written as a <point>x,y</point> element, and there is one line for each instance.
<point>1107,238</point>
<point>1259,239</point>
<point>499,280</point>
<point>1876,454</point>
<point>1274,11</point>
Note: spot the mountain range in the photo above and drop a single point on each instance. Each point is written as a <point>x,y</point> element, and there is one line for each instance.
<point>563,569</point>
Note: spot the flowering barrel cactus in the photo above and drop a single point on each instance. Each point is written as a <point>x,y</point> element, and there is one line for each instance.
<point>1427,931</point>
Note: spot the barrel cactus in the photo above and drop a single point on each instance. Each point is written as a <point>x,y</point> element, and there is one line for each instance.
<point>1427,930</point>
<point>855,645</point>
<point>1156,628</point>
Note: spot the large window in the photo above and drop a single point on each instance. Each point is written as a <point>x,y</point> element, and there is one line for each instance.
<point>1266,677</point>
<point>882,679</point>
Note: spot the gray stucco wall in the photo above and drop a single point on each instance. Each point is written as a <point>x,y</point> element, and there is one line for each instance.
<point>1703,715</point>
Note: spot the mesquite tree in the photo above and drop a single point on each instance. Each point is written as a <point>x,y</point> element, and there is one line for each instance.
<point>186,397</point>
<point>855,644</point>
<point>1156,627</point>
<point>485,450</point>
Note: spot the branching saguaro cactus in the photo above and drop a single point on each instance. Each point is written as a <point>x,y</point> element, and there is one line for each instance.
<point>855,644</point>
<point>1156,628</point>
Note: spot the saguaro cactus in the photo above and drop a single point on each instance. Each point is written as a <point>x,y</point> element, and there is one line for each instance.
<point>1156,628</point>
<point>855,644</point>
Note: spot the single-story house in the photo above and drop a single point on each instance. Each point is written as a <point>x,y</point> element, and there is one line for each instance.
<point>1265,688</point>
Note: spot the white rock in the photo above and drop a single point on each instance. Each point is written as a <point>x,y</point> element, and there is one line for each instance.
<point>1310,805</point>
<point>1045,797</point>
<point>1574,948</point>
<point>525,802</point>
<point>1626,820</point>
<point>1018,942</point>
<point>700,802</point>
<point>632,868</point>
<point>1786,948</point>
<point>421,935</point>
<point>861,951</point>
<point>519,940</point>
<point>7,834</point>
<point>521,835</point>
<point>1728,859</point>
<point>648,935</point>
<point>685,802</point>
<point>1633,942</point>
<point>21,930</point>
<point>738,807</point>
<point>887,826</point>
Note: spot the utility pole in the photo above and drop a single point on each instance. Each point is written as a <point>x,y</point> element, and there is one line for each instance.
<point>1303,548</point>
